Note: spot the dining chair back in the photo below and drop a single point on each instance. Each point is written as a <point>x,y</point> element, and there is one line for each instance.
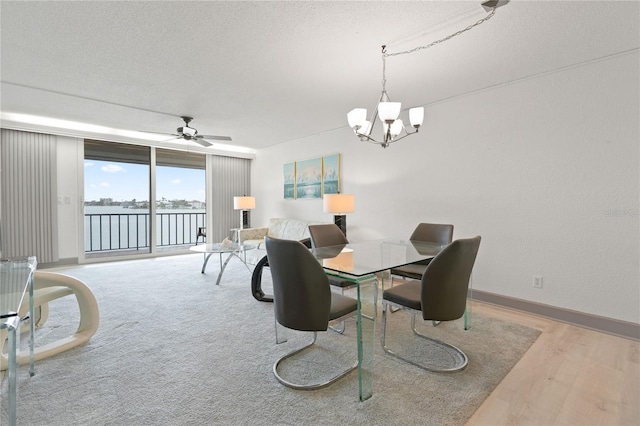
<point>326,235</point>
<point>429,232</point>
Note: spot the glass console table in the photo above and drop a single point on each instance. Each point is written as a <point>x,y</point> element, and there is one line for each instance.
<point>16,285</point>
<point>362,263</point>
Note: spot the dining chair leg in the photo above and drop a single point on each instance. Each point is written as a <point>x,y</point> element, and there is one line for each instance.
<point>460,358</point>
<point>312,386</point>
<point>280,330</point>
<point>338,328</point>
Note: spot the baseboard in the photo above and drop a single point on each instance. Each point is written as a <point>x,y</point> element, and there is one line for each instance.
<point>616,327</point>
<point>61,262</point>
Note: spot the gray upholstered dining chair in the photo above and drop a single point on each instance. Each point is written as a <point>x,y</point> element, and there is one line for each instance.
<point>440,295</point>
<point>326,235</point>
<point>430,232</point>
<point>303,300</point>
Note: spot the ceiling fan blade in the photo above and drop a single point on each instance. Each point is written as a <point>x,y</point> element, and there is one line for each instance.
<point>157,133</point>
<point>215,138</point>
<point>170,139</point>
<point>202,142</point>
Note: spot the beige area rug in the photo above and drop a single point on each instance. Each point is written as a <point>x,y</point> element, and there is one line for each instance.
<point>174,349</point>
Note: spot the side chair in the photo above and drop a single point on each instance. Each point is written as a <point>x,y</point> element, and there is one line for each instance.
<point>327,235</point>
<point>430,232</point>
<point>202,232</point>
<point>303,300</point>
<point>440,295</point>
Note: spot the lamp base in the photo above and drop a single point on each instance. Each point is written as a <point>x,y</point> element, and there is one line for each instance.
<point>341,222</point>
<point>244,219</point>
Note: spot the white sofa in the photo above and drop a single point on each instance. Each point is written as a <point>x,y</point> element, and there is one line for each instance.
<point>288,229</point>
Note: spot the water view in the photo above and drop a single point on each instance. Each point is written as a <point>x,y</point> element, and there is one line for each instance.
<point>116,217</point>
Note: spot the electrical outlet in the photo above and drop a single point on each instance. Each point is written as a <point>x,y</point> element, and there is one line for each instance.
<point>537,281</point>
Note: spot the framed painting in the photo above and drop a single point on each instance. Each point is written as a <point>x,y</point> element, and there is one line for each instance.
<point>331,174</point>
<point>309,178</point>
<point>289,173</point>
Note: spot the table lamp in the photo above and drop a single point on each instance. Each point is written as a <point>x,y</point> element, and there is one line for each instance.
<point>339,204</point>
<point>244,204</point>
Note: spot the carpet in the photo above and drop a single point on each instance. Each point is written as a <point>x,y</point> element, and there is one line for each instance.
<point>174,349</point>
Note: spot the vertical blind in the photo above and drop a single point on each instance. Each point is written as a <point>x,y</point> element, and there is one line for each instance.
<point>29,210</point>
<point>188,160</point>
<point>230,177</point>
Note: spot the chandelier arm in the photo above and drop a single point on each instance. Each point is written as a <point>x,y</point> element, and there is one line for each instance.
<point>366,138</point>
<point>400,138</point>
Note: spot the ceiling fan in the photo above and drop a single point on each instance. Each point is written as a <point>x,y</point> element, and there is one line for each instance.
<point>190,134</point>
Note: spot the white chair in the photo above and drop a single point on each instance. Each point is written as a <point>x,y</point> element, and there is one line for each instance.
<point>49,286</point>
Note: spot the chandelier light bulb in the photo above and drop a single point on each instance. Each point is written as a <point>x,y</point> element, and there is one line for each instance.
<point>365,129</point>
<point>389,111</point>
<point>416,116</point>
<point>357,117</point>
<point>396,128</point>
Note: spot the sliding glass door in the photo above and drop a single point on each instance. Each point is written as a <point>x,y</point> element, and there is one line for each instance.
<point>180,198</point>
<point>117,193</point>
<point>141,199</point>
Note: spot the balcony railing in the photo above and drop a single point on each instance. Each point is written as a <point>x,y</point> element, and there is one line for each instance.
<point>122,231</point>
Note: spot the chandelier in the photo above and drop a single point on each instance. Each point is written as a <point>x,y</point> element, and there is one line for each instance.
<point>393,128</point>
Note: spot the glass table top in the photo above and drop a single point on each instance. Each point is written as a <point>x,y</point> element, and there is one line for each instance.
<point>369,257</point>
<point>222,248</point>
<point>15,275</point>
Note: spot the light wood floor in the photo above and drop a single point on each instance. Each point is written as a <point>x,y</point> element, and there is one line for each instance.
<point>569,376</point>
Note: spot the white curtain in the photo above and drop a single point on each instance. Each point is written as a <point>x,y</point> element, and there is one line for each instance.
<point>28,211</point>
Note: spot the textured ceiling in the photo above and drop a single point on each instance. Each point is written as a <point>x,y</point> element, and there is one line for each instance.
<point>269,72</point>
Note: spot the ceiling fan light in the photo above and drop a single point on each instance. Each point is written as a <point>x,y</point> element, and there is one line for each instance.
<point>389,111</point>
<point>187,131</point>
<point>416,116</point>
<point>357,117</point>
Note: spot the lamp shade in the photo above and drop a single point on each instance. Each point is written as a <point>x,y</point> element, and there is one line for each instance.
<point>389,111</point>
<point>416,116</point>
<point>244,203</point>
<point>365,129</point>
<point>357,117</point>
<point>396,127</point>
<point>339,203</point>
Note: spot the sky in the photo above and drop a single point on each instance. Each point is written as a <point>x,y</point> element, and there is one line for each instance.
<point>126,181</point>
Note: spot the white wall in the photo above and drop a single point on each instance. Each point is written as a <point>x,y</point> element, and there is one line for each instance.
<point>545,169</point>
<point>69,198</point>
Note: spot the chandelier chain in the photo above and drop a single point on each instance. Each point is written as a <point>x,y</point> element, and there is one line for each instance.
<point>384,70</point>
<point>449,37</point>
<point>415,49</point>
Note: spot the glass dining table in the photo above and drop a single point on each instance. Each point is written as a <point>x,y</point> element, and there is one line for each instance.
<point>16,289</point>
<point>364,264</point>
